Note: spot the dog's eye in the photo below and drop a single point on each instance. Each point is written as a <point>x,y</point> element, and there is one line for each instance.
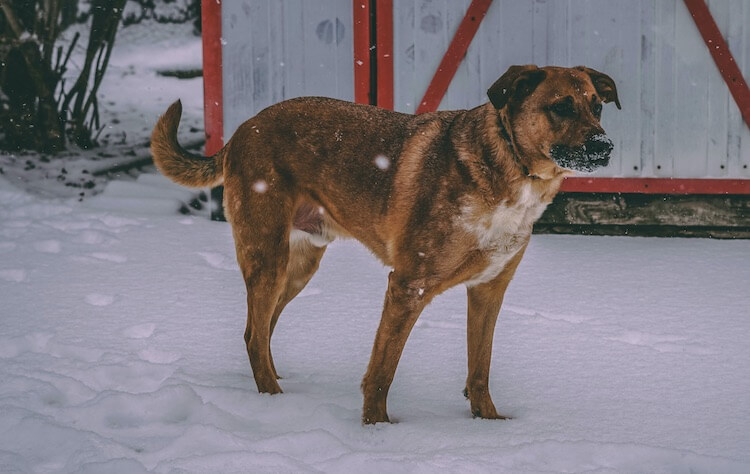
<point>563,109</point>
<point>597,110</point>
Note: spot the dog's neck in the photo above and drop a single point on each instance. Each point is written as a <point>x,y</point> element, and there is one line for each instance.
<point>504,134</point>
<point>495,153</point>
<point>545,176</point>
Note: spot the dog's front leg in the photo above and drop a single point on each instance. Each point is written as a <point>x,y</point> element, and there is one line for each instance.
<point>404,301</point>
<point>484,306</point>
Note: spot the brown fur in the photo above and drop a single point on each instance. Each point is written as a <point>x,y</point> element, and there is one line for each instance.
<point>444,198</point>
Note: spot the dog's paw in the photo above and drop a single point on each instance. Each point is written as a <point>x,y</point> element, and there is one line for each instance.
<point>371,420</point>
<point>482,407</point>
<point>488,413</point>
<point>271,387</point>
<point>372,416</point>
<point>493,416</point>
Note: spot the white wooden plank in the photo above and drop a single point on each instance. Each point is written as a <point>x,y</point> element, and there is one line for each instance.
<point>628,76</point>
<point>430,42</point>
<point>605,52</point>
<point>404,71</point>
<point>691,86</point>
<point>557,18</point>
<point>475,91</point>
<point>276,49</point>
<point>491,62</point>
<point>344,28</point>
<point>476,57</point>
<point>734,39</point>
<point>664,117</point>
<point>516,34</point>
<point>647,106</point>
<point>461,93</point>
<point>540,15</point>
<point>260,66</point>
<point>294,53</point>
<point>744,63</point>
<point>237,80</point>
<point>718,96</point>
<point>319,48</point>
<point>578,36</point>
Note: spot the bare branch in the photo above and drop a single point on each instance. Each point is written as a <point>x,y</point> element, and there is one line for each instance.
<point>12,19</point>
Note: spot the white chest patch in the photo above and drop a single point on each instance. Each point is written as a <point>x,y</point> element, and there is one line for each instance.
<point>502,233</point>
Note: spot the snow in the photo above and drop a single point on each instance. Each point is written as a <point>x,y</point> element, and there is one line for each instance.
<point>121,344</point>
<point>382,162</point>
<point>260,186</point>
<point>121,349</point>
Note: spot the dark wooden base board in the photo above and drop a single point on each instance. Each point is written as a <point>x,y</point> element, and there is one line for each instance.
<point>658,215</point>
<point>646,231</point>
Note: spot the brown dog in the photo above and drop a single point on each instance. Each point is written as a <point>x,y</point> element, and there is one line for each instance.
<point>443,198</point>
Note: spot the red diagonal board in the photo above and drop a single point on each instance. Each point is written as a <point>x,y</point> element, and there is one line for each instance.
<point>722,55</point>
<point>452,59</point>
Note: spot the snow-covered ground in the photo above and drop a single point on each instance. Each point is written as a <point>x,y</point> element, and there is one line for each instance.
<point>121,351</point>
<point>121,340</point>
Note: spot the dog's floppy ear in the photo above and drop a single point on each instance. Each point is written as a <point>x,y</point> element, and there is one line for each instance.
<point>517,82</point>
<point>605,85</point>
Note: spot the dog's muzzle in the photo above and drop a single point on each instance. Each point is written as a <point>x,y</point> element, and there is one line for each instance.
<point>593,154</point>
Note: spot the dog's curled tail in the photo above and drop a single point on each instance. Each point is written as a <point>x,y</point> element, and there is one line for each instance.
<point>178,164</point>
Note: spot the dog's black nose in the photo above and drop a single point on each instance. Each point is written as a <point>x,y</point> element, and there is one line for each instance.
<point>598,146</point>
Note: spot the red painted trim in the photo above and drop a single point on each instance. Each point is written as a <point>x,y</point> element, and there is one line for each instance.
<point>722,55</point>
<point>656,185</point>
<point>361,38</point>
<point>384,51</point>
<point>212,78</point>
<point>453,57</point>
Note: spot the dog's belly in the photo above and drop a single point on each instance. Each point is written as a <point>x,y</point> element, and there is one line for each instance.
<point>309,218</point>
<point>311,225</point>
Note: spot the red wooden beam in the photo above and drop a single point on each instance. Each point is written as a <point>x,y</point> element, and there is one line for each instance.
<point>212,79</point>
<point>361,38</point>
<point>722,55</point>
<point>452,59</point>
<point>656,185</point>
<point>384,51</point>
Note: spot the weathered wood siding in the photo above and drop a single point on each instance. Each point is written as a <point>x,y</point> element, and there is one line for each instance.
<point>678,118</point>
<point>279,49</point>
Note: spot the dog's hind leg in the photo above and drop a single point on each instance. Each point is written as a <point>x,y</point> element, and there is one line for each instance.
<point>304,259</point>
<point>484,306</point>
<point>261,223</point>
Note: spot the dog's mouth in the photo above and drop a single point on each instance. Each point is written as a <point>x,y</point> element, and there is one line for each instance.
<point>593,154</point>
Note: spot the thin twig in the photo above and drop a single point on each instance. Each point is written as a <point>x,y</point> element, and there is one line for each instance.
<point>10,17</point>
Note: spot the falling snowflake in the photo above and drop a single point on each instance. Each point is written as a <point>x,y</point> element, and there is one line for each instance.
<point>382,162</point>
<point>260,186</point>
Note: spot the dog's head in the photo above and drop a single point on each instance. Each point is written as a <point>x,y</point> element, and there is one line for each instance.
<point>552,116</point>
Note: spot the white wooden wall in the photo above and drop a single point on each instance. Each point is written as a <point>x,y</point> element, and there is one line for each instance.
<point>279,49</point>
<point>678,118</point>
